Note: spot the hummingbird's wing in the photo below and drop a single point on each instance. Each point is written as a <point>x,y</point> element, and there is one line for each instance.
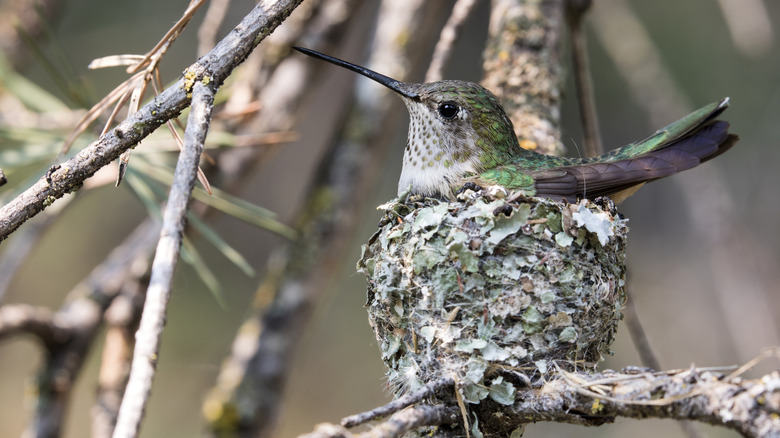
<point>618,175</point>
<point>684,144</point>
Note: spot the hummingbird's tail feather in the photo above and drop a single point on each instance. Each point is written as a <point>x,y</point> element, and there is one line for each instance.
<point>667,135</point>
<point>620,176</point>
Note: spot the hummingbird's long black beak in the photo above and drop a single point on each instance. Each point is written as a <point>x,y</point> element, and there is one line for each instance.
<point>397,86</point>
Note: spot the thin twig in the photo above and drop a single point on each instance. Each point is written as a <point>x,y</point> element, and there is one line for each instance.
<point>764,355</point>
<point>637,332</point>
<point>121,320</point>
<point>395,426</point>
<point>449,34</point>
<point>153,318</point>
<point>414,418</point>
<point>396,405</point>
<point>575,11</point>
<point>207,32</point>
<point>153,56</point>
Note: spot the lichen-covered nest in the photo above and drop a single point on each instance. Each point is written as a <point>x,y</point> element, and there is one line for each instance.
<point>493,292</point>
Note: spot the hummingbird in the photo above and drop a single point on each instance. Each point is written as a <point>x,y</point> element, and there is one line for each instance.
<point>459,133</point>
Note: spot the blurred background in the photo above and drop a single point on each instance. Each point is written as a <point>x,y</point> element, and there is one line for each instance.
<point>703,249</point>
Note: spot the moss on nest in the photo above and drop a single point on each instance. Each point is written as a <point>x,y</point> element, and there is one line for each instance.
<point>493,291</point>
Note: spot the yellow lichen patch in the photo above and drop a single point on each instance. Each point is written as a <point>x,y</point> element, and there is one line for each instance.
<point>189,80</point>
<point>528,144</point>
<point>597,406</point>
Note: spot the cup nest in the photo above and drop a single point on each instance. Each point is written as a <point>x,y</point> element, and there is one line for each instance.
<point>493,292</point>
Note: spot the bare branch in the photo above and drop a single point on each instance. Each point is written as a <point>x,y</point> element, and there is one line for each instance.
<point>396,405</point>
<point>153,318</point>
<point>121,324</point>
<point>413,418</point>
<point>749,24</point>
<point>747,406</point>
<point>691,394</point>
<point>397,425</point>
<point>20,319</point>
<point>207,32</point>
<point>449,34</point>
<point>84,312</point>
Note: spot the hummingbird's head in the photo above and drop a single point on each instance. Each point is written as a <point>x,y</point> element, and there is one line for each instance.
<point>456,129</point>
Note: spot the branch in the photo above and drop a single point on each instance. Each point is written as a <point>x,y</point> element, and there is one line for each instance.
<point>400,403</point>
<point>462,10</point>
<point>207,32</point>
<point>106,281</point>
<point>16,319</point>
<point>153,318</point>
<point>121,320</point>
<point>216,65</point>
<point>522,66</point>
<point>747,406</point>
<point>397,425</point>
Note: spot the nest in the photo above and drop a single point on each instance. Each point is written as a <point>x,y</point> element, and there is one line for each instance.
<point>493,292</point>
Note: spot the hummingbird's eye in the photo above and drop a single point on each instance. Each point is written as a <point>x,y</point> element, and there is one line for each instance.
<point>448,110</point>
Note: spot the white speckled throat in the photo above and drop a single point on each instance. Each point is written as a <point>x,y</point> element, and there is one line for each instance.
<point>430,165</point>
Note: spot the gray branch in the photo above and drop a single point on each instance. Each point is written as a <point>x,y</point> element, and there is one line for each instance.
<point>748,406</point>
<point>396,405</point>
<point>397,425</point>
<point>18,319</point>
<point>149,332</point>
<point>461,11</point>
